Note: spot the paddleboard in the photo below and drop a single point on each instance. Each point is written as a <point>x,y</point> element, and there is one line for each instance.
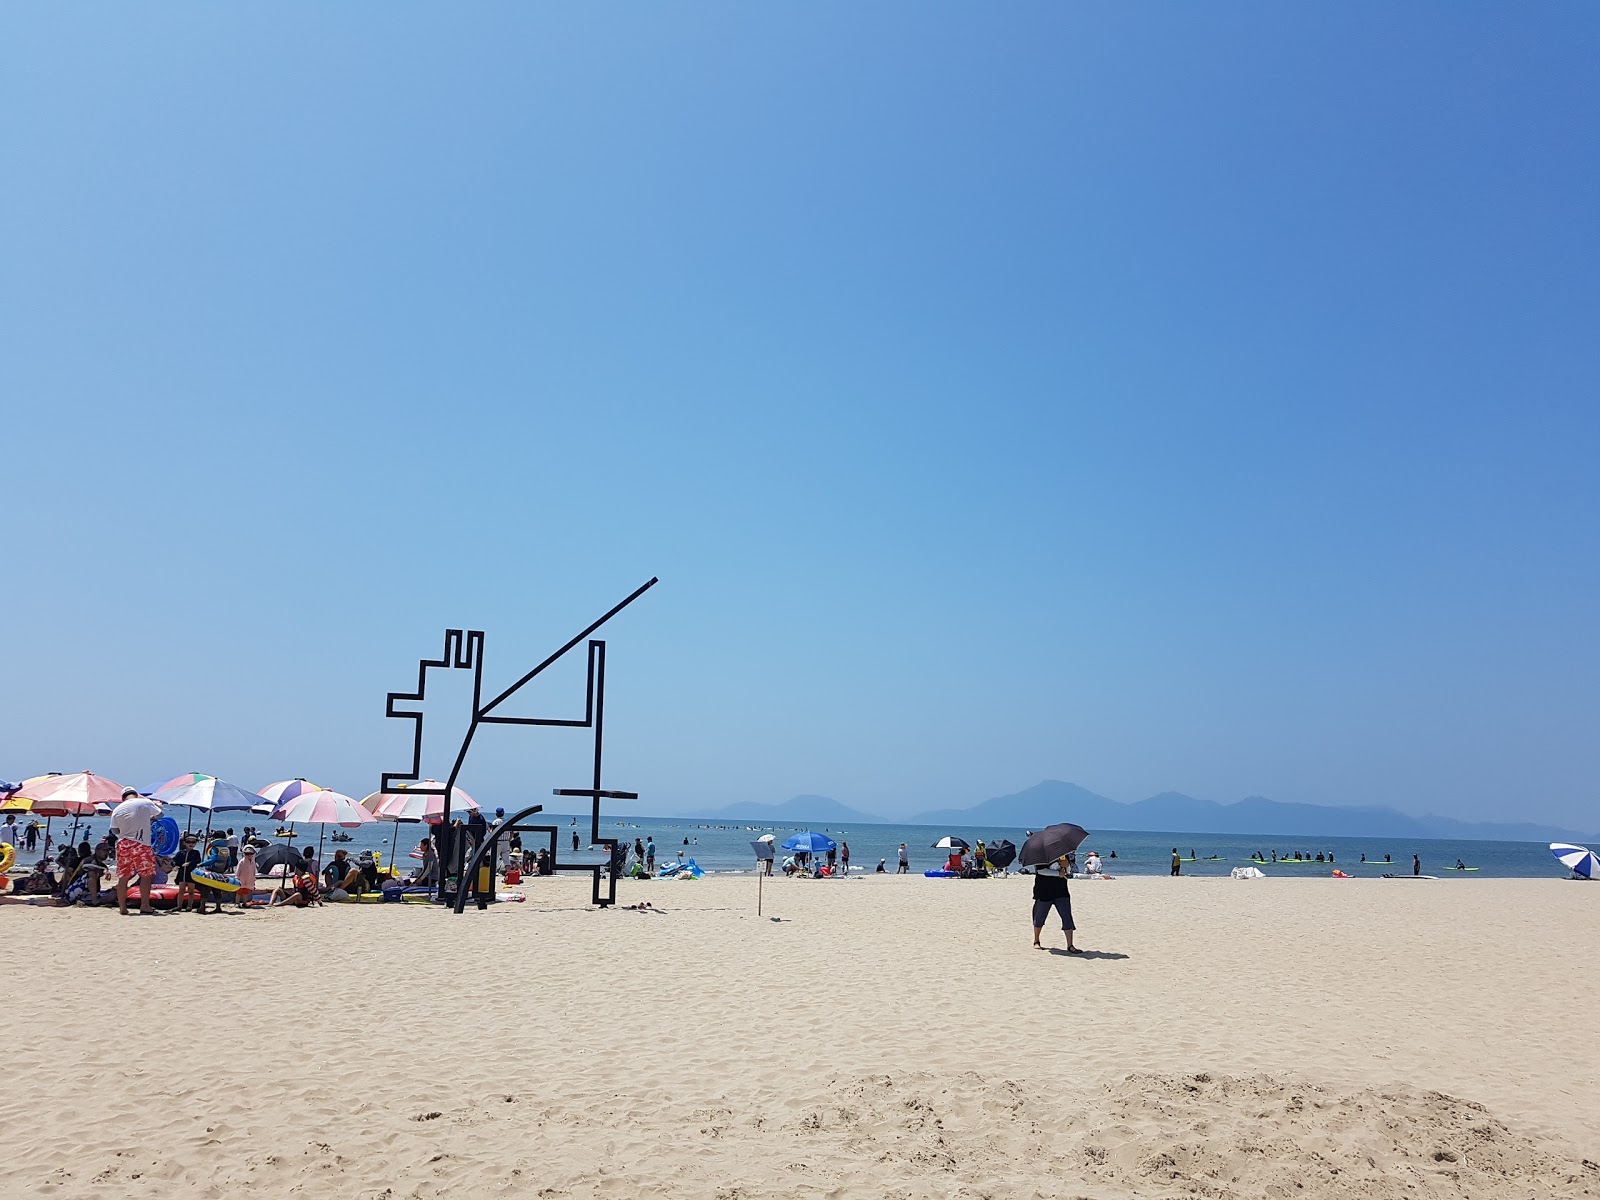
<point>1460,868</point>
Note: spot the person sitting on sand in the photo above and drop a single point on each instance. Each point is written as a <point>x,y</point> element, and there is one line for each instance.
<point>303,890</point>
<point>427,872</point>
<point>1091,864</point>
<point>95,871</point>
<point>342,873</point>
<point>42,880</point>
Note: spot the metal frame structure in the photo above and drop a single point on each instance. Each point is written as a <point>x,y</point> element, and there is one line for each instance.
<point>464,650</point>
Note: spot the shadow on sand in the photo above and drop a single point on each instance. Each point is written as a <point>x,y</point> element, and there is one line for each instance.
<point>1087,953</point>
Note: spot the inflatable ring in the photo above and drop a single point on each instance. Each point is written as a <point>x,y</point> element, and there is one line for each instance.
<point>215,880</point>
<point>8,855</point>
<point>164,837</point>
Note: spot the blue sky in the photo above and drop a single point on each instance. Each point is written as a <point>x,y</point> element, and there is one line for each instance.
<point>1192,397</point>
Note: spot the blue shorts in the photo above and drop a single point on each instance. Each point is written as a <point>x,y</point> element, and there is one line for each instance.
<point>1041,911</point>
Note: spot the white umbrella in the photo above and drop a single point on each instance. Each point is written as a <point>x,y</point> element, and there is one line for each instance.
<point>1580,860</point>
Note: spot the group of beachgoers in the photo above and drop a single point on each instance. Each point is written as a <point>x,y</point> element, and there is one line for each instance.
<point>204,869</point>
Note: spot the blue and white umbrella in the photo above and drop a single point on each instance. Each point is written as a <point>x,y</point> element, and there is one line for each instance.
<point>1579,860</point>
<point>195,790</point>
<point>810,843</point>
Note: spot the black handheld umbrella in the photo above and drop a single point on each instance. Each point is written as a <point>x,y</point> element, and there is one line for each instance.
<point>1051,843</point>
<point>951,843</point>
<point>1002,853</point>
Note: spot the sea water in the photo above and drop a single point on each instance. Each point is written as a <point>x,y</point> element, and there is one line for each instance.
<point>725,847</point>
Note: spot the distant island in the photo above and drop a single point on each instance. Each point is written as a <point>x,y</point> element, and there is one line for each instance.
<point>1170,812</point>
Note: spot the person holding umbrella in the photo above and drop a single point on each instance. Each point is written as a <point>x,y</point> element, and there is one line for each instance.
<point>1050,891</point>
<point>1056,845</point>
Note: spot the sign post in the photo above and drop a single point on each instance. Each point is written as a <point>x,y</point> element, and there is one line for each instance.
<point>763,857</point>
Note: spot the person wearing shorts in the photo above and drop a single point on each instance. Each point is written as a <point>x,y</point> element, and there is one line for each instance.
<point>1050,891</point>
<point>130,821</point>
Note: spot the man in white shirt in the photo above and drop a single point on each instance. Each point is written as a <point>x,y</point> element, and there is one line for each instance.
<point>11,831</point>
<point>130,821</point>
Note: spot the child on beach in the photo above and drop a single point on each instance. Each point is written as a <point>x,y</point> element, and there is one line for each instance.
<point>187,860</point>
<point>216,862</point>
<point>246,873</point>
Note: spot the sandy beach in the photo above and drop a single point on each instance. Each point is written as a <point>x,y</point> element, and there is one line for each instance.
<point>875,1036</point>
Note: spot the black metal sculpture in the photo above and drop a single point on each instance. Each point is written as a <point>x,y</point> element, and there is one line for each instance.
<point>464,651</point>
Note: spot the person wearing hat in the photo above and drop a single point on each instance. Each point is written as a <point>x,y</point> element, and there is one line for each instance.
<point>367,867</point>
<point>130,821</point>
<point>246,873</point>
<point>502,848</point>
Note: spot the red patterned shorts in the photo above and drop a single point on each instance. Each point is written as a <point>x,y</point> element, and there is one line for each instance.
<point>135,858</point>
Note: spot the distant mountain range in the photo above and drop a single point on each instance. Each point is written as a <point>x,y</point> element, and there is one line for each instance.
<point>802,810</point>
<point>1173,812</point>
<point>1170,812</point>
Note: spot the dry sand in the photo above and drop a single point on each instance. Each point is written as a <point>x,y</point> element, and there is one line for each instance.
<point>882,1037</point>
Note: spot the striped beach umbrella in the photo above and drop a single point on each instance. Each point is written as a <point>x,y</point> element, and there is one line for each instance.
<point>195,790</point>
<point>73,795</point>
<point>407,804</point>
<point>1580,860</point>
<point>287,789</point>
<point>323,807</point>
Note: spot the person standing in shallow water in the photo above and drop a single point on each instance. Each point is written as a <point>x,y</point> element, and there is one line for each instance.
<point>1416,865</point>
<point>1051,891</point>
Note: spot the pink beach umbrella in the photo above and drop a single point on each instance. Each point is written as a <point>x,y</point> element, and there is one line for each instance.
<point>70,795</point>
<point>403,804</point>
<point>407,804</point>
<point>323,807</point>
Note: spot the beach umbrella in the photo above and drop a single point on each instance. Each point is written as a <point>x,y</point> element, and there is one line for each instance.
<point>1580,860</point>
<point>70,795</point>
<point>205,792</point>
<point>323,808</point>
<point>950,842</point>
<point>809,843</point>
<point>1002,853</point>
<point>286,789</point>
<point>1051,843</point>
<point>406,803</point>
<point>769,838</point>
